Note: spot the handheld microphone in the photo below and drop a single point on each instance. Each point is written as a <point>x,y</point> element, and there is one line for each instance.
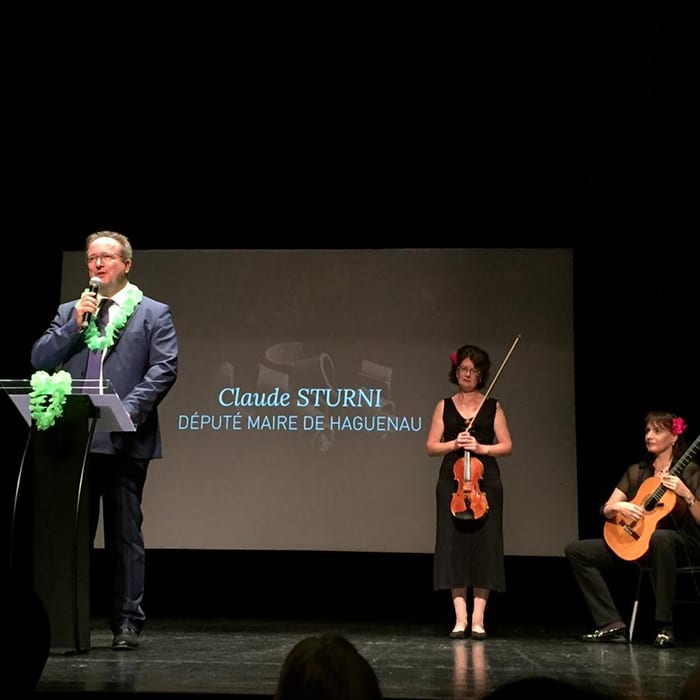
<point>93,287</point>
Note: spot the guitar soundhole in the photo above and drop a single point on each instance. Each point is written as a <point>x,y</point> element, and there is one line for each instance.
<point>650,504</point>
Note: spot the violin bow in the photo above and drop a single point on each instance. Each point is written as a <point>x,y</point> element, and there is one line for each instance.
<point>495,379</point>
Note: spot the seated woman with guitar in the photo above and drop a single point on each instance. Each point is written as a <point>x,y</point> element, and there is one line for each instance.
<point>653,518</point>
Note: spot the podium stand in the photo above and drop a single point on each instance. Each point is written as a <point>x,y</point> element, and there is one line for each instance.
<point>52,481</point>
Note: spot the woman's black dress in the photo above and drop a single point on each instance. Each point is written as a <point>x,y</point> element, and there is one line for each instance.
<point>469,552</point>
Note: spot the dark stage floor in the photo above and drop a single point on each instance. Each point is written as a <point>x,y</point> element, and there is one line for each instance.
<point>243,658</point>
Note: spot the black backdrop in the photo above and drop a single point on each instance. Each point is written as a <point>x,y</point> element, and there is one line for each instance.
<point>328,124</point>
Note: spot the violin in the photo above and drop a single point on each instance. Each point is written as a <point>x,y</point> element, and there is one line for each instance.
<point>469,501</point>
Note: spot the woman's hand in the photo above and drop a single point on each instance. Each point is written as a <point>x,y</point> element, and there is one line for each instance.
<point>630,510</point>
<point>466,441</point>
<point>675,484</point>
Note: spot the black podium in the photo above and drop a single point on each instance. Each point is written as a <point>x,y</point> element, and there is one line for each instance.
<point>53,486</point>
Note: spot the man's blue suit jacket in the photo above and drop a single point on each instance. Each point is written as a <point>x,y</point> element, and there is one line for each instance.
<point>142,366</point>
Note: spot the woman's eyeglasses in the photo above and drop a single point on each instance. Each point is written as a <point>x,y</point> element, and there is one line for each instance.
<point>468,370</point>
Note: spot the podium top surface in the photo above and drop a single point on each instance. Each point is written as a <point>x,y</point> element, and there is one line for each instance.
<point>78,386</point>
<point>112,415</point>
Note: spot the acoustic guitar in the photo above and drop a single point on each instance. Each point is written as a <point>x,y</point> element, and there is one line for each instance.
<point>630,540</point>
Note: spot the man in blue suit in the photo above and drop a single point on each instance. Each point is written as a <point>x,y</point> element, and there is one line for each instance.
<point>137,351</point>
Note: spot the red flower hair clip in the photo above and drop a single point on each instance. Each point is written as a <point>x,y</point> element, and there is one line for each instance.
<point>453,358</point>
<point>678,426</point>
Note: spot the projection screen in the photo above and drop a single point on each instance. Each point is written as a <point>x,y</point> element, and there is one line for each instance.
<point>308,377</point>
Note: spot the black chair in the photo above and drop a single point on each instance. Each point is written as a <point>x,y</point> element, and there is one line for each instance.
<point>693,571</point>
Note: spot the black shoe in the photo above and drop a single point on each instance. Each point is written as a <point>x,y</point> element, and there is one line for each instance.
<point>479,635</point>
<point>665,639</point>
<point>610,633</point>
<point>458,634</point>
<point>126,638</point>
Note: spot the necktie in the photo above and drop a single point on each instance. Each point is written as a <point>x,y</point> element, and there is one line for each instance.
<point>95,357</point>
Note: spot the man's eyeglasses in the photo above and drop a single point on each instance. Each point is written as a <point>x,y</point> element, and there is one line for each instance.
<point>468,370</point>
<point>105,257</point>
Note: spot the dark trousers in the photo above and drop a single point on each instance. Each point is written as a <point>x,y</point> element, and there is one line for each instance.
<point>589,558</point>
<point>117,482</point>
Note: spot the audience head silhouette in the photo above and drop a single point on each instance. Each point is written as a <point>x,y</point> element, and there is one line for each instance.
<point>545,688</point>
<point>326,667</point>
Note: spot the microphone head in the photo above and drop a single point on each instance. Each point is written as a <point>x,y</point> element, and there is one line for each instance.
<point>95,283</point>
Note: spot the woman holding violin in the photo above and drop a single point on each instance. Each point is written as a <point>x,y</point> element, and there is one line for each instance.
<point>469,431</point>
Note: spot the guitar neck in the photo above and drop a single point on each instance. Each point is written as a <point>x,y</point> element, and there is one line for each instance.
<point>685,459</point>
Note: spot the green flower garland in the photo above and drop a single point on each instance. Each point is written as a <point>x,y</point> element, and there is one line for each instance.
<point>48,396</point>
<point>49,392</point>
<point>92,336</point>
